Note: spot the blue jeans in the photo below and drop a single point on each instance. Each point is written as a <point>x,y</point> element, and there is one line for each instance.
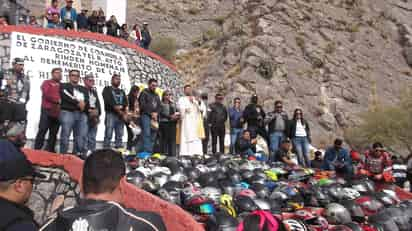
<point>234,134</point>
<point>113,122</point>
<point>301,145</point>
<point>91,138</point>
<point>148,135</point>
<point>275,140</point>
<point>77,122</point>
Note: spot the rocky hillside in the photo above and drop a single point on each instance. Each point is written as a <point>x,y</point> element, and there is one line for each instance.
<point>333,58</point>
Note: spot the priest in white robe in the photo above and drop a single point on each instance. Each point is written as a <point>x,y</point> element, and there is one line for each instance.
<point>191,124</point>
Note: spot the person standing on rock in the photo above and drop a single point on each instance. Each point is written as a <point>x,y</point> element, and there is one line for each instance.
<point>149,103</point>
<point>278,126</point>
<point>115,105</point>
<point>254,116</point>
<point>50,111</point>
<point>191,125</point>
<point>73,115</point>
<point>217,118</point>
<point>93,112</point>
<point>299,133</point>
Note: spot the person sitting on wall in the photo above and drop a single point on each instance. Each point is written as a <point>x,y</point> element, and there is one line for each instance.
<point>100,209</point>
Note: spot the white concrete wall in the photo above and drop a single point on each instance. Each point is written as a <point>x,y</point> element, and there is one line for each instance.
<point>112,7</point>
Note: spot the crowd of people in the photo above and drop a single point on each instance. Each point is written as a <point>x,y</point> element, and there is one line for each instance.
<point>68,18</point>
<point>158,124</point>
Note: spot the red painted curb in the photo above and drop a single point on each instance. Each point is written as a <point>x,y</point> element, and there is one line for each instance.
<point>85,35</point>
<point>174,217</point>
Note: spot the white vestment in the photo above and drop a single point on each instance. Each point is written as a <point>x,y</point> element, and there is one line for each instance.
<point>190,112</point>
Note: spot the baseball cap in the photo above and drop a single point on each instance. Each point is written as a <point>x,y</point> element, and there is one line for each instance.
<point>89,76</point>
<point>14,164</point>
<point>18,61</point>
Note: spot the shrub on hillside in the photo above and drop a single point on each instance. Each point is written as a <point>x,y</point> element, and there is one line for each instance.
<point>390,124</point>
<point>164,46</point>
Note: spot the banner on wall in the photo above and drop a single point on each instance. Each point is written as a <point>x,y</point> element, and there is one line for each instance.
<point>43,53</point>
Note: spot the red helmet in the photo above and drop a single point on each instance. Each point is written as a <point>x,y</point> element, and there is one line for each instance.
<point>369,205</point>
<point>355,156</point>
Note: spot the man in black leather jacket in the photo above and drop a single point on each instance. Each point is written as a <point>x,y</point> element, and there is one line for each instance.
<point>100,210</point>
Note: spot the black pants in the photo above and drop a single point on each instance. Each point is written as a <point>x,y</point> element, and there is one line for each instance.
<point>167,137</point>
<point>218,132</point>
<point>205,141</point>
<point>51,125</point>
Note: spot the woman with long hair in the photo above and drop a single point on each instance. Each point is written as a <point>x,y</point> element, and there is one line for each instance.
<point>133,118</point>
<point>167,127</point>
<point>299,133</point>
<point>93,21</point>
<point>112,27</point>
<point>101,21</point>
<point>124,32</point>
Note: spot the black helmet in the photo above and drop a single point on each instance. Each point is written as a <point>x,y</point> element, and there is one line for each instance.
<point>221,221</point>
<point>234,176</point>
<point>192,173</point>
<point>172,163</point>
<point>207,179</point>
<point>136,178</point>
<point>186,162</point>
<point>257,179</point>
<point>149,186</point>
<point>246,174</point>
<point>172,196</point>
<point>363,185</point>
<point>227,187</point>
<point>219,175</point>
<point>196,160</point>
<point>244,204</point>
<point>173,186</point>
<point>261,190</point>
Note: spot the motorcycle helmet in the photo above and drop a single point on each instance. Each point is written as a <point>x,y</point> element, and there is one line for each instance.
<point>192,173</point>
<point>160,179</point>
<point>337,214</point>
<point>256,179</point>
<point>294,225</point>
<point>246,174</point>
<point>222,221</point>
<point>369,205</point>
<point>199,205</point>
<point>211,193</point>
<point>262,204</point>
<point>244,204</point>
<point>384,220</point>
<point>260,190</point>
<point>219,175</point>
<point>354,226</point>
<point>173,185</point>
<point>334,191</point>
<point>179,177</point>
<point>149,186</point>
<point>202,168</point>
<point>226,203</point>
<point>385,199</point>
<point>136,178</point>
<point>363,186</point>
<point>207,179</point>
<point>172,163</point>
<point>354,209</point>
<point>248,193</point>
<point>186,162</point>
<point>171,196</point>
<point>189,191</point>
<point>234,176</point>
<point>349,194</point>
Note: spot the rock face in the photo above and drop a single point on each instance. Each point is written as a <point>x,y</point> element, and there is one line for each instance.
<point>331,58</point>
<point>49,193</point>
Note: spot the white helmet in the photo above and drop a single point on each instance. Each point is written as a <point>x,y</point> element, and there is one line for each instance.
<point>294,225</point>
<point>337,214</point>
<point>349,193</point>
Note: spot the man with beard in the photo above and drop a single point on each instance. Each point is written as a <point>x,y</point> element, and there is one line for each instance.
<point>254,116</point>
<point>17,175</point>
<point>150,106</point>
<point>115,105</point>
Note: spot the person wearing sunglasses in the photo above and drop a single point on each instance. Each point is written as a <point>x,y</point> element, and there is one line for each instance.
<point>17,175</point>
<point>278,126</point>
<point>377,163</point>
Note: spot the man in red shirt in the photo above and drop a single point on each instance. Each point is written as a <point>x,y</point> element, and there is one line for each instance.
<point>377,162</point>
<point>50,111</point>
